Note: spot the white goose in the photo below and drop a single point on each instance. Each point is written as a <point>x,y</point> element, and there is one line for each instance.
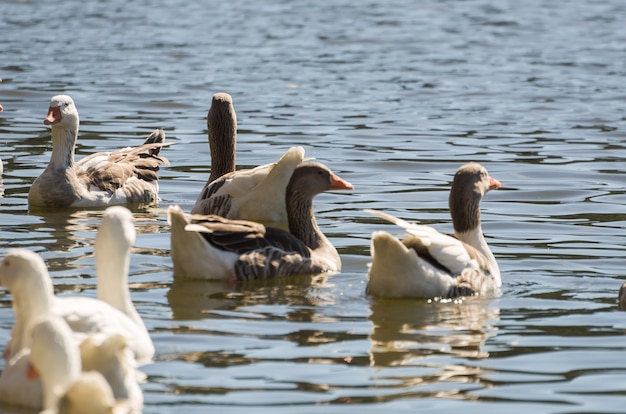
<point>113,359</point>
<point>256,194</point>
<point>56,360</point>
<point>25,274</point>
<point>114,240</point>
<point>221,249</point>
<point>429,264</point>
<point>128,175</point>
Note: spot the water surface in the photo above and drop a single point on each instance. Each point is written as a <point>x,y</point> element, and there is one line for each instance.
<point>393,96</point>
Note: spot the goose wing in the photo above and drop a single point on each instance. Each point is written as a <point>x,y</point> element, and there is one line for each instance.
<point>438,248</point>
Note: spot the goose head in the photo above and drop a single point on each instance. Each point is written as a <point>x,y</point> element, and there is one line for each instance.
<point>311,178</point>
<point>22,270</point>
<point>308,180</point>
<point>62,112</point>
<point>54,357</point>
<point>116,234</point>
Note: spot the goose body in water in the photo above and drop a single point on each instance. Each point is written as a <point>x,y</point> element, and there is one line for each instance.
<point>25,274</point>
<point>256,194</point>
<point>212,247</point>
<point>70,386</point>
<point>429,264</point>
<point>125,176</point>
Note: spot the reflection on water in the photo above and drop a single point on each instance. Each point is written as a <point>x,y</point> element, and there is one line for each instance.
<point>196,299</point>
<point>393,97</point>
<point>407,332</point>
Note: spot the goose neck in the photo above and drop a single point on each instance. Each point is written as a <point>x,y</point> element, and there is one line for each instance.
<point>301,220</point>
<point>63,144</point>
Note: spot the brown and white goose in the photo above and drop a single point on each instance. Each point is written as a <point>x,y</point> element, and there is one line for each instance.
<point>128,175</point>
<point>255,194</point>
<point>429,264</point>
<point>212,247</point>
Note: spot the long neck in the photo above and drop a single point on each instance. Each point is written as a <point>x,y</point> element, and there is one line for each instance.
<point>62,368</point>
<point>222,143</point>
<point>112,264</point>
<point>465,209</point>
<point>63,142</point>
<point>301,220</point>
<point>28,305</point>
<point>465,212</point>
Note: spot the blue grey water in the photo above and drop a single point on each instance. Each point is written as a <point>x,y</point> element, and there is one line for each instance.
<point>393,95</point>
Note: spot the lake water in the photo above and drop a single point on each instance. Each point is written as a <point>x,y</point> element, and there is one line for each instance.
<point>393,95</point>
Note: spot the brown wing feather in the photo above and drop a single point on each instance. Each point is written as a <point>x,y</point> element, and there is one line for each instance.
<point>113,173</point>
<point>242,236</point>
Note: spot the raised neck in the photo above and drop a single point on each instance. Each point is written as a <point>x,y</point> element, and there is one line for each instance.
<point>112,264</point>
<point>222,127</point>
<point>63,144</point>
<point>301,219</point>
<point>464,206</point>
<point>30,304</point>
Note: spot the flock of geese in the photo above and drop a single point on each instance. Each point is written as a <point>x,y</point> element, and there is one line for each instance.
<point>72,354</point>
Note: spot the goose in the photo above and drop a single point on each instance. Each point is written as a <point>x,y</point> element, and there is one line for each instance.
<point>216,248</point>
<point>430,264</point>
<point>128,175</point>
<point>252,194</point>
<point>42,372</point>
<point>56,360</point>
<point>24,273</point>
<point>114,240</point>
<point>112,358</point>
<point>90,394</point>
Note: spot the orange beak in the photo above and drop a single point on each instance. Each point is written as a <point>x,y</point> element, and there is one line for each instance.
<point>54,116</point>
<point>339,183</point>
<point>494,184</point>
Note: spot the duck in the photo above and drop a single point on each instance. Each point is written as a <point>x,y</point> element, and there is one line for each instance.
<point>428,264</point>
<point>255,194</point>
<point>56,360</point>
<point>125,176</point>
<point>216,248</point>
<point>25,274</point>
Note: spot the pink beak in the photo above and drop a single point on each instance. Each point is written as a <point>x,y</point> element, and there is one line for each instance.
<point>54,116</point>
<point>494,184</point>
<point>339,183</point>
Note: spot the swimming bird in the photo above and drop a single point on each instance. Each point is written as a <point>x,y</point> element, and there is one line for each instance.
<point>252,194</point>
<point>25,274</point>
<point>114,240</point>
<point>56,359</point>
<point>112,358</point>
<point>429,264</point>
<point>212,247</point>
<point>127,175</point>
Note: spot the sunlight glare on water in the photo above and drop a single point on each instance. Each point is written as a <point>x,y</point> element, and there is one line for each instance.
<point>393,96</point>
